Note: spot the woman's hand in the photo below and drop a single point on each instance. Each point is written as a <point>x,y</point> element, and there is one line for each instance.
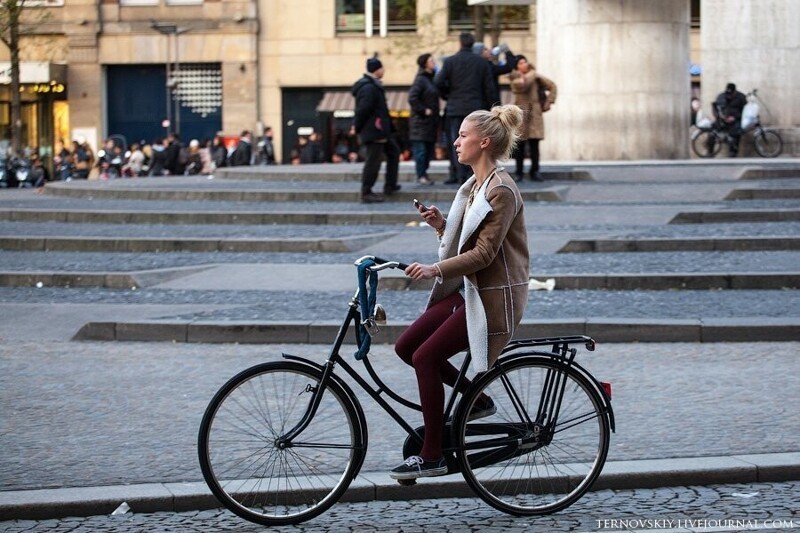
<point>420,271</point>
<point>432,216</point>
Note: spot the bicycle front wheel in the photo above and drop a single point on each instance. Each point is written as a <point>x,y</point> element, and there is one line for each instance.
<point>253,471</point>
<point>706,143</point>
<point>516,460</point>
<point>768,143</point>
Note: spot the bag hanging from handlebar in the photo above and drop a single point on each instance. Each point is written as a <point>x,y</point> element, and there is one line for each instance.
<point>366,301</point>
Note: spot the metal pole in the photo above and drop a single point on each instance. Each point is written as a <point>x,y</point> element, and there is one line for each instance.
<point>177,84</point>
<point>167,88</point>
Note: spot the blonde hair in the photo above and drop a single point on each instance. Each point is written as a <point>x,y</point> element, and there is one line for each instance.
<point>501,125</point>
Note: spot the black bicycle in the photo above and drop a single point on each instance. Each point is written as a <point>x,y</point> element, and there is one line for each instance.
<point>281,441</point>
<point>707,141</point>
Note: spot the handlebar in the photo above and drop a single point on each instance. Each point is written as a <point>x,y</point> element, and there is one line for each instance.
<point>380,264</point>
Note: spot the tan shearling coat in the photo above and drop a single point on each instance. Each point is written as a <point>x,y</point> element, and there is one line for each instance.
<point>526,95</point>
<point>485,250</point>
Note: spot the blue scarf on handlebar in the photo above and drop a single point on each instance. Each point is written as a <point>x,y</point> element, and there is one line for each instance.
<point>366,301</point>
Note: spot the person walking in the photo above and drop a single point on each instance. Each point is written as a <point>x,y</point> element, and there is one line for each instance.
<point>376,131</point>
<point>243,154</point>
<point>483,253</point>
<point>534,94</point>
<point>465,81</point>
<point>423,97</point>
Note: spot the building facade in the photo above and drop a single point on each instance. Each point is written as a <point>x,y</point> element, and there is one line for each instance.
<point>141,68</point>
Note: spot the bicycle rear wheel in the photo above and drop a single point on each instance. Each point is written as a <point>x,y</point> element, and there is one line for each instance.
<point>768,143</point>
<point>706,143</point>
<point>517,462</point>
<point>252,472</point>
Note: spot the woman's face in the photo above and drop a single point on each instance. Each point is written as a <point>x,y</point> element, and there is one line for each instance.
<point>523,66</point>
<point>469,144</point>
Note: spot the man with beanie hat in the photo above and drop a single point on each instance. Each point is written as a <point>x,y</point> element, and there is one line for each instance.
<point>465,81</point>
<point>376,131</point>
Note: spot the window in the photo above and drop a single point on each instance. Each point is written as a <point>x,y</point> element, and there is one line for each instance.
<point>463,17</point>
<point>351,17</point>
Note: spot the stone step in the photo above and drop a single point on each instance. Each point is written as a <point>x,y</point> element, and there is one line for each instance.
<point>726,216</point>
<point>245,217</point>
<point>769,173</point>
<point>398,282</point>
<point>244,194</point>
<point>697,244</point>
<point>111,244</point>
<point>763,194</point>
<point>352,173</point>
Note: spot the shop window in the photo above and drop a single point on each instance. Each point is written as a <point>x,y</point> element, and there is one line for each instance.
<point>464,18</point>
<point>351,17</point>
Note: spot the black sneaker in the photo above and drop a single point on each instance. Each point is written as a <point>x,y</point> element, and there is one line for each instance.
<point>415,466</point>
<point>479,412</point>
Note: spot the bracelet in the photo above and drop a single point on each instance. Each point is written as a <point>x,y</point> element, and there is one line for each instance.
<point>440,231</point>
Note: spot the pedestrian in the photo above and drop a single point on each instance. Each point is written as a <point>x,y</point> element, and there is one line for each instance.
<point>483,253</point>
<point>423,97</point>
<point>158,163</point>
<point>534,94</point>
<point>465,81</point>
<point>498,68</point>
<point>266,148</point>
<point>135,164</point>
<point>243,153</point>
<point>376,132</point>
<point>219,152</point>
<point>194,163</point>
<point>728,108</point>
<point>174,154</point>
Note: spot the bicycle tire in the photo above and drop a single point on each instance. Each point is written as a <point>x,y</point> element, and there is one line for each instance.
<point>243,463</point>
<point>706,143</point>
<point>768,143</point>
<point>504,461</point>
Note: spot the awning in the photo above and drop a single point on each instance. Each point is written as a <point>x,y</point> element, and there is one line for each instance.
<point>396,99</point>
<point>34,72</point>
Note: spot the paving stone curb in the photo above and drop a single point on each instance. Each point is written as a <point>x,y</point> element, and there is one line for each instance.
<point>46,504</point>
<point>353,174</point>
<point>320,332</point>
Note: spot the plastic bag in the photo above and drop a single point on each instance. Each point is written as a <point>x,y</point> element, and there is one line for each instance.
<point>749,115</point>
<point>701,120</point>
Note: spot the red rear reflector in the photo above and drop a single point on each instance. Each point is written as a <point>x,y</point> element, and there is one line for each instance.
<point>607,388</point>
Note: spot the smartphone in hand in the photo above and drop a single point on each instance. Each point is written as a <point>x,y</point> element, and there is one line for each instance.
<point>419,205</point>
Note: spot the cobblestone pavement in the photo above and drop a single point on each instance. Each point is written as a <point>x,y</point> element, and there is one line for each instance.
<point>730,508</point>
<point>93,413</point>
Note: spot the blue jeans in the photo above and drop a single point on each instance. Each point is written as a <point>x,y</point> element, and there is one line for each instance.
<point>423,153</point>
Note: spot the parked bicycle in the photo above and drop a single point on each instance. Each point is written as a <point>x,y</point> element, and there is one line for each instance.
<point>707,141</point>
<point>281,441</point>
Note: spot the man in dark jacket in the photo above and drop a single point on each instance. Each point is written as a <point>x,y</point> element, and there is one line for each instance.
<point>173,155</point>
<point>374,126</point>
<point>243,153</point>
<point>728,108</point>
<point>465,81</point>
<point>423,97</point>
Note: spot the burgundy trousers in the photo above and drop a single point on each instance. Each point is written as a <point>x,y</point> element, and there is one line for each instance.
<point>427,345</point>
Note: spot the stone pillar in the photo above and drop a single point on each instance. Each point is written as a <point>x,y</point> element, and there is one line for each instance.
<point>755,45</point>
<point>622,70</point>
